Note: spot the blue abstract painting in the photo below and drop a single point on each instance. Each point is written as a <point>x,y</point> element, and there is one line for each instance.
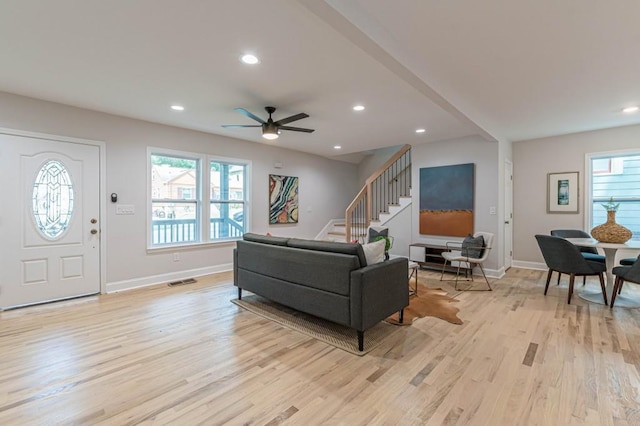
<point>447,200</point>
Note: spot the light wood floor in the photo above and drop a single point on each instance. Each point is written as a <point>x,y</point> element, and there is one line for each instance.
<point>186,355</point>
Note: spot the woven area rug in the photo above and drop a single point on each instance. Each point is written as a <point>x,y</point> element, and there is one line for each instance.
<point>341,337</point>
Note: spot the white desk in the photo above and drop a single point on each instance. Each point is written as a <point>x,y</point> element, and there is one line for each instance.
<point>610,250</point>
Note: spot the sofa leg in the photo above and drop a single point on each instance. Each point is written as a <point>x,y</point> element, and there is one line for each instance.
<point>360,340</point>
<point>239,293</point>
<point>401,316</point>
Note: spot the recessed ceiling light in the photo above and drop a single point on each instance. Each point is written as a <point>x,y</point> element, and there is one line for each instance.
<point>420,130</point>
<point>337,147</point>
<point>250,59</point>
<point>177,107</point>
<point>358,108</point>
<point>631,109</point>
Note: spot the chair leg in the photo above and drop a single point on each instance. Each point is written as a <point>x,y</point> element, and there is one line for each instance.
<point>604,289</point>
<point>444,265</point>
<point>584,280</point>
<point>620,288</point>
<point>559,275</point>
<point>485,276</point>
<point>546,287</point>
<point>457,275</point>
<point>572,279</point>
<point>616,290</point>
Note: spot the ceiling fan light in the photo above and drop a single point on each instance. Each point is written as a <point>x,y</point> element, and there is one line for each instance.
<point>269,131</point>
<point>270,136</point>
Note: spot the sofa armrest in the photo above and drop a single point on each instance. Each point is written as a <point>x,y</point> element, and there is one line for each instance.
<point>377,291</point>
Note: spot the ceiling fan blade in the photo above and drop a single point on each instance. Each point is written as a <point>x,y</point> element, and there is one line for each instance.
<point>237,126</point>
<point>292,118</point>
<point>296,129</point>
<point>250,115</point>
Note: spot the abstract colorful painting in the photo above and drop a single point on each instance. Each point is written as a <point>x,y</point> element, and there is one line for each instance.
<point>283,199</point>
<point>447,200</point>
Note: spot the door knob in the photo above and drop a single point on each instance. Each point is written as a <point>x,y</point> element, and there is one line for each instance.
<point>94,220</point>
<point>506,222</point>
<point>94,231</point>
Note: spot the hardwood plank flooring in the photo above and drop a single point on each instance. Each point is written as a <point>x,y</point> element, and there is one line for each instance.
<point>185,355</point>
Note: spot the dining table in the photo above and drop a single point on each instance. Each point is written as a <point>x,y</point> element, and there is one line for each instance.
<point>623,300</point>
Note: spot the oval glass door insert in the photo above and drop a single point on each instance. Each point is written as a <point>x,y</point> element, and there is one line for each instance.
<point>53,199</point>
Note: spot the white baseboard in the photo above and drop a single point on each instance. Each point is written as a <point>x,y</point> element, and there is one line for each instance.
<point>165,278</point>
<point>529,265</point>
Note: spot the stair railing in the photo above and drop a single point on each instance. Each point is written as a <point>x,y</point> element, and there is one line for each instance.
<point>383,188</point>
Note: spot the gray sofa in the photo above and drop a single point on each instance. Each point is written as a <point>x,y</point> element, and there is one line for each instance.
<point>326,279</point>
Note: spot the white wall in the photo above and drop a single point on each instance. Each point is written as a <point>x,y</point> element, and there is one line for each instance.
<point>532,160</point>
<point>326,186</point>
<point>484,155</point>
<point>372,162</point>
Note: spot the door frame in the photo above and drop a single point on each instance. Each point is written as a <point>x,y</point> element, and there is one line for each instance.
<point>102,176</point>
<point>508,210</point>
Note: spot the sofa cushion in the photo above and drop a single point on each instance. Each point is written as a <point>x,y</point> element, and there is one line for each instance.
<point>374,252</point>
<point>326,271</point>
<point>330,246</point>
<point>265,239</point>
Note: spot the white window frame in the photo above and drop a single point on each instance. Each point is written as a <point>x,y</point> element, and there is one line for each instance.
<point>203,196</point>
<point>588,192</point>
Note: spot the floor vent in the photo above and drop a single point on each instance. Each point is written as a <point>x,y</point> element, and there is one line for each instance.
<point>182,282</point>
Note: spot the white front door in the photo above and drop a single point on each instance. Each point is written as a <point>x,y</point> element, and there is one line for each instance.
<point>49,220</point>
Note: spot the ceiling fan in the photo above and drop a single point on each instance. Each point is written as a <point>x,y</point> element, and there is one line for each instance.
<point>270,129</point>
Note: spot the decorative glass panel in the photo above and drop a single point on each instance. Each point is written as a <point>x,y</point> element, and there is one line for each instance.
<point>53,199</point>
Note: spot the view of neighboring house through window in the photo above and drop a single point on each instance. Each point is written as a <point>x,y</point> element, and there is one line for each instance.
<point>181,213</point>
<point>616,176</point>
<point>227,216</point>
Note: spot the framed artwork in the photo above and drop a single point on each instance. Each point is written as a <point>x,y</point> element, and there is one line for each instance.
<point>283,199</point>
<point>562,192</point>
<point>447,200</point>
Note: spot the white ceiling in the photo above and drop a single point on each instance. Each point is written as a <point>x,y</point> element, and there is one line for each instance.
<point>500,69</point>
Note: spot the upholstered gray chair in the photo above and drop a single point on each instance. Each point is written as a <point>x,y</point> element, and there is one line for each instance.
<point>562,256</point>
<point>628,261</point>
<point>589,253</point>
<point>624,274</point>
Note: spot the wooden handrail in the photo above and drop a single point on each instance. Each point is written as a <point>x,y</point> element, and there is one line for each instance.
<point>365,192</point>
<point>388,164</point>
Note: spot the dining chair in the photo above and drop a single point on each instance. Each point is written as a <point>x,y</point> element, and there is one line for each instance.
<point>562,256</point>
<point>624,274</point>
<point>589,253</point>
<point>628,261</point>
<point>472,251</point>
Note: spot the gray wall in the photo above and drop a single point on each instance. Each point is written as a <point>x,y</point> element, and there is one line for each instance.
<point>485,156</point>
<point>532,160</point>
<point>326,186</point>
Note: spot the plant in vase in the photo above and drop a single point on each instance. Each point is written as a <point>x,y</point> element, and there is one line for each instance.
<point>388,244</point>
<point>610,231</point>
